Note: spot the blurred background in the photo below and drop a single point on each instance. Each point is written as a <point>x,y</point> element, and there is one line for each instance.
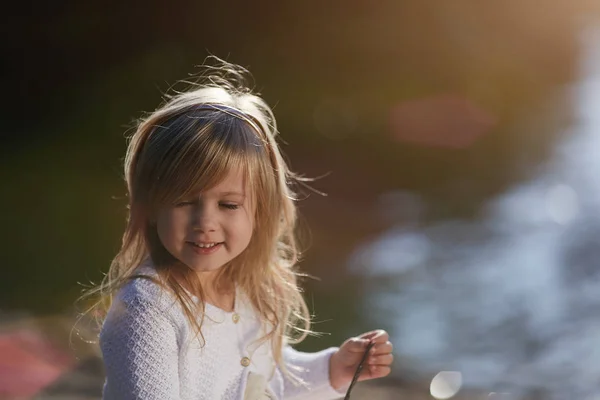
<point>459,148</point>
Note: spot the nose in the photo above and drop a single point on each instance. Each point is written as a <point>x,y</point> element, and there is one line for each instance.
<point>205,222</point>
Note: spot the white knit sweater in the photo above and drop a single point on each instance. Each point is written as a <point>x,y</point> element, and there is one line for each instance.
<point>149,353</point>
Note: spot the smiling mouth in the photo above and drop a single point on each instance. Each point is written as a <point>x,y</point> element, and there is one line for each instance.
<point>204,245</point>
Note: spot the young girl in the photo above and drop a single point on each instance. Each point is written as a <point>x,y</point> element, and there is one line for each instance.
<point>203,297</point>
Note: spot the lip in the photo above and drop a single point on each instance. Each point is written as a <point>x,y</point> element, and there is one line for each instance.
<point>204,250</point>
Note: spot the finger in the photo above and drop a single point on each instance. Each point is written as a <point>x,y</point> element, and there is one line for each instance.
<point>374,372</point>
<point>384,348</point>
<point>382,361</point>
<point>377,336</point>
<point>356,345</point>
<point>370,335</point>
<point>379,371</point>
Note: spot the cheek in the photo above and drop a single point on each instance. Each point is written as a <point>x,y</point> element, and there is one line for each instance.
<point>170,225</point>
<point>243,228</point>
<point>163,229</point>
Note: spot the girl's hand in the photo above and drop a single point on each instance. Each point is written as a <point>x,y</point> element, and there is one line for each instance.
<point>344,362</point>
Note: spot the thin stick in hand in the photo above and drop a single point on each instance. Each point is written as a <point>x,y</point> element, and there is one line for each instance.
<point>359,369</point>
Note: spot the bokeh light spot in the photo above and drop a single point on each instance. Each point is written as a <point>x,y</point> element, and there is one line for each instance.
<point>446,384</point>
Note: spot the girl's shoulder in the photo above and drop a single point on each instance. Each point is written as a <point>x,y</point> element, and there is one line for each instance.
<point>145,289</point>
<point>142,310</point>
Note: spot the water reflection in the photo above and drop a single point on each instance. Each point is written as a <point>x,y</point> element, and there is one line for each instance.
<point>510,299</point>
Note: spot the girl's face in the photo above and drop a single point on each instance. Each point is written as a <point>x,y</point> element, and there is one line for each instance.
<point>207,231</point>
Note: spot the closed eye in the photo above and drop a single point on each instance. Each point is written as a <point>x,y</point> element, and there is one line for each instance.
<point>185,203</point>
<point>230,206</point>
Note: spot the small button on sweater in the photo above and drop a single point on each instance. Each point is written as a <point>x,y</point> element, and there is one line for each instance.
<point>150,353</point>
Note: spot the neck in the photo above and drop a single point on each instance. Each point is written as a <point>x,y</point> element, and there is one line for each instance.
<point>209,280</point>
<point>215,292</point>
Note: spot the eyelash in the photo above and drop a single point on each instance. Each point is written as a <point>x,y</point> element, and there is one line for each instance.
<point>228,206</point>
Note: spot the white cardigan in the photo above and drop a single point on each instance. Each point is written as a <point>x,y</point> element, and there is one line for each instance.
<point>149,355</point>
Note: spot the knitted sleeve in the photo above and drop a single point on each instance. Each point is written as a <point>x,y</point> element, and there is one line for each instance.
<point>140,351</point>
<point>313,369</point>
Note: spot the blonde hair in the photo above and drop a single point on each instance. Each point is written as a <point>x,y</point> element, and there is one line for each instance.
<point>187,145</point>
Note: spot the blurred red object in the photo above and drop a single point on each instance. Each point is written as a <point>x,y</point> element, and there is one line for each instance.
<point>445,120</point>
<point>29,363</point>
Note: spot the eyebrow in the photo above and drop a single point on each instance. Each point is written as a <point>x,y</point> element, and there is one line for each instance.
<point>232,194</point>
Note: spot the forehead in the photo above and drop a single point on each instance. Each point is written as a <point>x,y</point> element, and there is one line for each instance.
<point>234,181</point>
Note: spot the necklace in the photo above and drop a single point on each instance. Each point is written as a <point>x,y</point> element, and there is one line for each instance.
<point>228,300</point>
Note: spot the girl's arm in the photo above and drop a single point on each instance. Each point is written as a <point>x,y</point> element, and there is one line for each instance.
<point>313,369</point>
<point>139,346</point>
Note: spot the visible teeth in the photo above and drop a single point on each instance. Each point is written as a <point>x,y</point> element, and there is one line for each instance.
<point>205,245</point>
